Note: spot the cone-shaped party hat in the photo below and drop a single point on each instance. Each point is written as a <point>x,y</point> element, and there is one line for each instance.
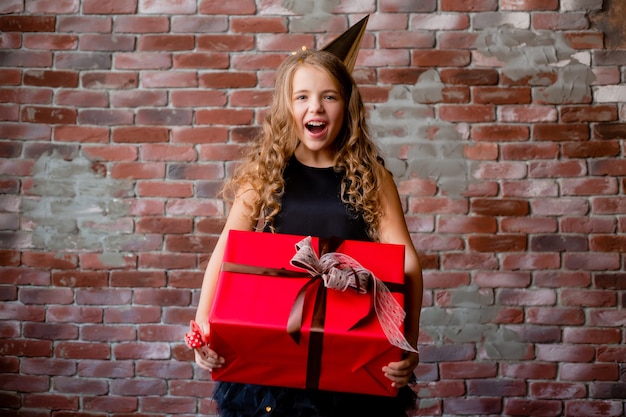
<point>346,46</point>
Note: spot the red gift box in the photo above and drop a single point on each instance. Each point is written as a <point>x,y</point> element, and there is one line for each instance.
<point>257,293</point>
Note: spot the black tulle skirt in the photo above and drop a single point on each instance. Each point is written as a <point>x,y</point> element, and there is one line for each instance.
<point>245,400</point>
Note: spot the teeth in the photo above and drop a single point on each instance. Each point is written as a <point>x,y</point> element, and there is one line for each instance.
<point>316,124</point>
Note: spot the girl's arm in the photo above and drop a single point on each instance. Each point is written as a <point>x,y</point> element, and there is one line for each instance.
<point>393,229</point>
<point>238,219</point>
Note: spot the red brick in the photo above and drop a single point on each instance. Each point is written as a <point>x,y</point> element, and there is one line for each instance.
<point>106,42</point>
<point>50,42</point>
<point>612,167</point>
<point>501,95</point>
<point>502,279</point>
<point>105,117</point>
<point>166,117</point>
<point>557,169</point>
<point>82,60</point>
<point>201,60</point>
<point>109,6</point>
<point>527,114</point>
<point>400,6</point>
<point>226,117</point>
<point>46,296</point>
<point>111,404</point>
<point>594,408</point>
<point>243,7</point>
<point>609,205</point>
<point>484,261</point>
<point>199,135</point>
<point>500,133</point>
<point>608,243</point>
<point>81,350</point>
<point>257,62</point>
<point>140,134</point>
<point>589,186</point>
<point>139,387</point>
<point>560,132</point>
<point>49,115</point>
<point>562,279</point>
<point>591,261</point>
<point>12,6</point>
<point>111,153</point>
<point>499,207</point>
<point>589,372</point>
<point>529,151</point>
<point>598,113</point>
<point>51,78</point>
<point>529,5</point>
<point>611,353</point>
<point>169,79</point>
<point>74,314</point>
<point>468,5</point>
<point>138,170</point>
<point>24,383</point>
<point>615,281</point>
<point>529,370</point>
<point>440,58</point>
<point>473,77</point>
<point>107,333</point>
<point>14,23</point>
<point>529,189</point>
<point>50,331</point>
<point>532,407</point>
<point>166,43</point>
<point>10,76</point>
<point>409,40</point>
<point>79,278</point>
<point>168,262</point>
<point>143,61</point>
<point>590,149</point>
<point>472,113</point>
<point>198,98</point>
<point>167,7</point>
<point>194,244</point>
<point>140,24</point>
<point>165,225</point>
<point>81,98</point>
<point>50,260</point>
<point>471,370</point>
<point>138,98</point>
<point>500,243</point>
<point>565,353</point>
<point>27,59</point>
<point>560,21</point>
<point>556,316</point>
<point>473,405</point>
<point>166,152</point>
<point>187,279</point>
<point>225,43</point>
<point>587,225</point>
<point>228,80</point>
<point>98,261</point>
<point>589,335</point>
<point>607,131</point>
<point>137,279</point>
<point>51,401</point>
<point>556,243</point>
<point>585,40</point>
<point>86,24</point>
<point>110,80</point>
<point>85,134</point>
<point>250,98</point>
<point>556,390</point>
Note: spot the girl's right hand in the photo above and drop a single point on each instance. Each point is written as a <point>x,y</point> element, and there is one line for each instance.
<point>207,358</point>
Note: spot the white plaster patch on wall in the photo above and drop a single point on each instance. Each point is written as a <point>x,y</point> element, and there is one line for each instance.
<point>610,94</point>
<point>416,144</point>
<point>534,54</point>
<point>73,206</point>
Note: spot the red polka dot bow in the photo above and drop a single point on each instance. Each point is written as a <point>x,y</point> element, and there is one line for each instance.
<point>194,338</point>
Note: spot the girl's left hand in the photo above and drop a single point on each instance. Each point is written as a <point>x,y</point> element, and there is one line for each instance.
<point>400,373</point>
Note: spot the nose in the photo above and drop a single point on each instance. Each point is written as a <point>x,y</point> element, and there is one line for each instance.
<point>315,105</point>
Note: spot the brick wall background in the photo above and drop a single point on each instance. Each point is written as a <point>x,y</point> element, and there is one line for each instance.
<point>503,120</point>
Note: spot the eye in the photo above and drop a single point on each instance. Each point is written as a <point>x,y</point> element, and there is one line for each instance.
<point>331,97</point>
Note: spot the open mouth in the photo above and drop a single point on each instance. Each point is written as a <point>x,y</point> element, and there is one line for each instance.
<point>316,127</point>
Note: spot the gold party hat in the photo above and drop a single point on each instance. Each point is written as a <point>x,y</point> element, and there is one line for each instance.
<point>346,46</point>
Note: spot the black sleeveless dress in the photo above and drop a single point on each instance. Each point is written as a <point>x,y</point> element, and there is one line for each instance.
<point>311,205</point>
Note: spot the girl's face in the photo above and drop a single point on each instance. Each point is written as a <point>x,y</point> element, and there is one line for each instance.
<point>318,109</point>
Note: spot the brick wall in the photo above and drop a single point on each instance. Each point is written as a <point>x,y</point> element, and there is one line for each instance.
<point>503,121</point>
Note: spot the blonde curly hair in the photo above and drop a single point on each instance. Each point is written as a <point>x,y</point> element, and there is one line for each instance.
<point>357,157</point>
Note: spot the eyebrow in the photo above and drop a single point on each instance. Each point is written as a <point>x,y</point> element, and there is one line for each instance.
<point>323,92</point>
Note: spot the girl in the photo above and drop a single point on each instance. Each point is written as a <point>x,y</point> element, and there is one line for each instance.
<point>315,171</point>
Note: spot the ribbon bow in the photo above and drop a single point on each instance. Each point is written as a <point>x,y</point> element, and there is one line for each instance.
<point>340,272</point>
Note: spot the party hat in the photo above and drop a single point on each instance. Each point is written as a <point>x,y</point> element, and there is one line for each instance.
<point>346,46</point>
